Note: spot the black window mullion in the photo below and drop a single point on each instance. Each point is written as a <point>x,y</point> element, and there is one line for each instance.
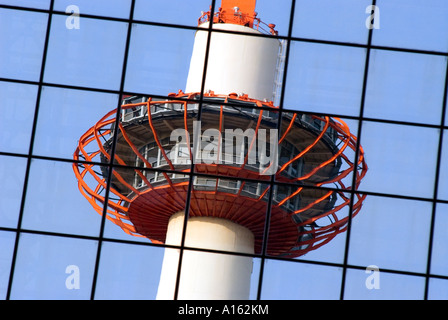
<point>436,186</point>
<point>271,182</point>
<point>191,177</point>
<point>30,152</point>
<point>112,153</point>
<point>356,158</point>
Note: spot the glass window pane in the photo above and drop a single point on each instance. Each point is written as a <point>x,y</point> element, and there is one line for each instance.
<point>342,20</point>
<point>201,278</point>
<point>7,241</point>
<point>117,8</point>
<point>53,268</point>
<point>320,159</point>
<point>446,114</point>
<point>91,56</point>
<point>242,139</point>
<point>255,278</point>
<point>128,272</point>
<point>17,110</point>
<point>278,13</point>
<point>439,254</point>
<point>438,289</point>
<point>405,86</point>
<point>323,78</point>
<point>40,4</point>
<point>392,234</point>
<point>300,281</point>
<point>401,159</point>
<point>12,174</point>
<point>391,286</point>
<point>159,59</point>
<point>443,175</point>
<point>21,47</point>
<point>320,234</point>
<point>237,204</point>
<point>174,11</point>
<point>54,203</point>
<point>65,115</point>
<point>145,204</point>
<point>412,24</point>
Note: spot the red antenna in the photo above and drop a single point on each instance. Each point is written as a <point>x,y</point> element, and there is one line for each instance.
<point>238,12</point>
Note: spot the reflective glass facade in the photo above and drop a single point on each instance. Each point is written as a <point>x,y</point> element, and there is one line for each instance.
<point>380,66</point>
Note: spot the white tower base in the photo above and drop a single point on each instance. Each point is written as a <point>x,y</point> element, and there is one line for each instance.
<point>206,275</point>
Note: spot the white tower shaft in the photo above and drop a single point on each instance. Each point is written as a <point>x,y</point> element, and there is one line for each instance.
<point>236,63</point>
<point>207,275</point>
<point>242,64</point>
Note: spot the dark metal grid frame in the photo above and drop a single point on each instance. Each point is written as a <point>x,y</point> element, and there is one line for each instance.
<point>345,266</point>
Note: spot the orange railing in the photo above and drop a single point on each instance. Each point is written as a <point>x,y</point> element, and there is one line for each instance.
<point>240,18</point>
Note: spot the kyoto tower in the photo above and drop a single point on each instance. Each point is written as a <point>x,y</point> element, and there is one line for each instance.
<point>219,158</point>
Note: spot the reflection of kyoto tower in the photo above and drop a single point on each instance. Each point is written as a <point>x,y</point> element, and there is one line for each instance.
<point>237,144</point>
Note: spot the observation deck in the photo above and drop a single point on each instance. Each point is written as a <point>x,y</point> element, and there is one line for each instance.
<point>310,153</point>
